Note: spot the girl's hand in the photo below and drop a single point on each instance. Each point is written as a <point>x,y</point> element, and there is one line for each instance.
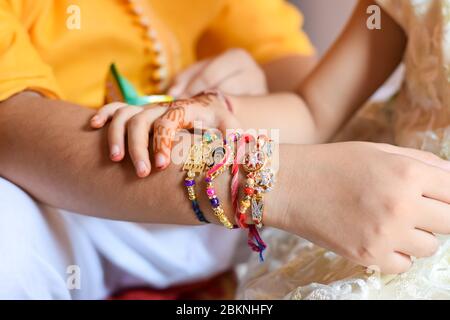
<point>233,72</point>
<point>133,122</point>
<point>208,110</point>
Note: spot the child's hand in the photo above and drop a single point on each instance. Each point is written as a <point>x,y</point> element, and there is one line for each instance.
<point>205,111</point>
<point>208,111</point>
<point>234,72</point>
<point>127,120</point>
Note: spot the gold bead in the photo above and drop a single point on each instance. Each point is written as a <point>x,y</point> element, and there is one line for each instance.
<point>245,204</point>
<point>243,209</point>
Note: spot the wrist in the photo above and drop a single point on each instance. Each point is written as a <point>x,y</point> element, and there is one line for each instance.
<point>281,205</point>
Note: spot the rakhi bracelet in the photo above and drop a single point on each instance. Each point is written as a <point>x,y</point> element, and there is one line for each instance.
<point>215,203</point>
<point>260,177</point>
<point>189,183</point>
<point>246,202</point>
<point>241,210</point>
<point>201,157</point>
<point>255,242</point>
<point>213,173</point>
<point>194,165</point>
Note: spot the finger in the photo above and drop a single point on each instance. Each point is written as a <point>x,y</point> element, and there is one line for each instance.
<point>244,82</point>
<point>105,113</point>
<point>433,171</point>
<point>198,85</point>
<point>182,81</point>
<point>215,73</point>
<point>436,183</point>
<point>165,129</point>
<point>213,80</point>
<point>423,156</point>
<point>419,244</point>
<point>435,216</point>
<point>116,131</point>
<point>396,263</point>
<point>138,130</point>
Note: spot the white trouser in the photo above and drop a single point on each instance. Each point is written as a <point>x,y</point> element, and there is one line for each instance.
<point>47,253</point>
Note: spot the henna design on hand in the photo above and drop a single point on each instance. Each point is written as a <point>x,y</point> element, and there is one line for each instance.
<point>165,130</point>
<point>174,119</point>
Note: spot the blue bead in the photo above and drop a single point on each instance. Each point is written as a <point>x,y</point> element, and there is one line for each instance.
<point>198,213</point>
<point>215,202</point>
<point>189,183</point>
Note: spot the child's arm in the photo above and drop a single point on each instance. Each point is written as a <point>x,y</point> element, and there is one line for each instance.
<point>355,67</point>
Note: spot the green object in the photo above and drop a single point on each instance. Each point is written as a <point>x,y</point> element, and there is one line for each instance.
<point>130,94</point>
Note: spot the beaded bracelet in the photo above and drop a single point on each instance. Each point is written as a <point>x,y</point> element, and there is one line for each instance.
<point>241,210</point>
<point>213,173</point>
<point>201,156</point>
<point>252,167</point>
<point>194,165</point>
<point>260,177</point>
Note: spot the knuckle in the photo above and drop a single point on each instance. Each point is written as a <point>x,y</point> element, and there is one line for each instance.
<point>135,121</point>
<point>121,112</point>
<point>367,254</point>
<point>110,106</point>
<point>380,229</point>
<point>240,53</point>
<point>406,170</point>
<point>392,206</point>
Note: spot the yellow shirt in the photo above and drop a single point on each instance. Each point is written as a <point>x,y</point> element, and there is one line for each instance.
<point>63,48</point>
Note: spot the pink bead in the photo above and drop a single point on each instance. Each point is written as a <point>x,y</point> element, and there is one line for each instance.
<point>210,192</point>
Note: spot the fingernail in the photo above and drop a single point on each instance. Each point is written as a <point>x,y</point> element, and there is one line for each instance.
<point>160,161</point>
<point>95,119</point>
<point>115,151</point>
<point>141,168</point>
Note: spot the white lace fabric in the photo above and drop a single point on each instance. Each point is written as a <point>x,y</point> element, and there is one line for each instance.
<point>296,269</point>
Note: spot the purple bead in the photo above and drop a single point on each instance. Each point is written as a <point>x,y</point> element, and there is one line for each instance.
<point>189,183</point>
<point>210,192</point>
<point>208,180</point>
<point>215,202</point>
